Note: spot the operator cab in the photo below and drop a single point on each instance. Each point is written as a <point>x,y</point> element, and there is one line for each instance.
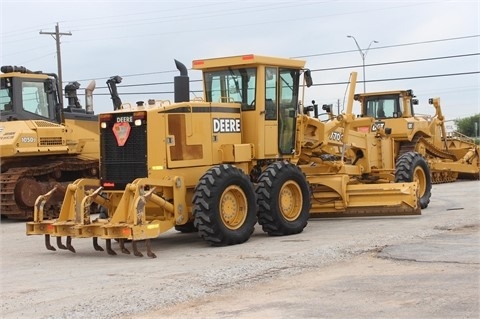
<point>25,96</point>
<point>381,107</point>
<point>267,89</point>
<point>387,105</point>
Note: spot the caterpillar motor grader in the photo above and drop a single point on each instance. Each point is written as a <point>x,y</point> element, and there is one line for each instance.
<point>248,151</point>
<point>42,144</point>
<point>449,156</point>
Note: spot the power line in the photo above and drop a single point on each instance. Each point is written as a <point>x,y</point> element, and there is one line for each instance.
<point>39,57</point>
<point>402,78</point>
<point>313,70</point>
<point>389,46</point>
<point>197,15</point>
<point>317,84</point>
<point>26,50</point>
<point>168,17</point>
<point>232,12</point>
<point>398,62</point>
<point>129,75</point>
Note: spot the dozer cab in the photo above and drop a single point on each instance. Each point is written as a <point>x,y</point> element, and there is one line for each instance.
<point>42,144</point>
<point>247,152</point>
<point>449,155</point>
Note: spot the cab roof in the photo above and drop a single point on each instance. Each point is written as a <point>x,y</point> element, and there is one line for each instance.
<point>246,60</point>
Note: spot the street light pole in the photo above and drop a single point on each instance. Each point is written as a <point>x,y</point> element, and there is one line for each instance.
<point>363,54</point>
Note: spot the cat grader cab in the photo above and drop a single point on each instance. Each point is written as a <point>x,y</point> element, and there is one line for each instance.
<point>449,155</point>
<point>248,152</point>
<point>42,144</point>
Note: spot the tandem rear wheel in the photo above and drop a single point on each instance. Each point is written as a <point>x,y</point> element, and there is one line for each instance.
<point>226,204</point>
<point>412,167</point>
<point>283,199</point>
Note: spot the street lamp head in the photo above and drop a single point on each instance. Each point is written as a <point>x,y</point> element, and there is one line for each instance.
<point>375,41</point>
<point>349,36</point>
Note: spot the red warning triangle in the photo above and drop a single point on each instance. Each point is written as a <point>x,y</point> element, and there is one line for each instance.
<point>121,131</point>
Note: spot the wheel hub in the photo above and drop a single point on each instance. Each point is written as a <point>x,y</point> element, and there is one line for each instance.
<point>233,207</point>
<point>290,201</point>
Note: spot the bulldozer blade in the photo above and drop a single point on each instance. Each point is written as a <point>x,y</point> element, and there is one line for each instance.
<point>150,253</point>
<point>135,249</point>
<point>110,251</point>
<point>47,243</point>
<point>121,242</point>
<point>96,246</point>
<point>69,244</point>
<point>60,245</point>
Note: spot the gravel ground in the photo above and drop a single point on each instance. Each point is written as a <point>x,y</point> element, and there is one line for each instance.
<point>36,283</point>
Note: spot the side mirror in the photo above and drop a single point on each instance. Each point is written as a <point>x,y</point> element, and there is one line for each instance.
<point>308,78</point>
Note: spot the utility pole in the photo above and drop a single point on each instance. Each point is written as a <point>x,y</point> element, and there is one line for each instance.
<point>56,36</point>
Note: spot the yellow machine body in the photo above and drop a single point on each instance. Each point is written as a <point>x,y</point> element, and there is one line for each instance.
<point>449,155</point>
<point>246,152</point>
<point>42,145</point>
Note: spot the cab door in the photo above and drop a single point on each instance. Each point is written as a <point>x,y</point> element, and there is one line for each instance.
<point>271,111</point>
<point>288,85</point>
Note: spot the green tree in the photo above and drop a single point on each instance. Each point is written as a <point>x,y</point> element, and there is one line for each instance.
<point>469,126</point>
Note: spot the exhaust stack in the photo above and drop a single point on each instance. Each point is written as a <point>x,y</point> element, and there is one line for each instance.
<point>181,84</point>
<point>89,97</point>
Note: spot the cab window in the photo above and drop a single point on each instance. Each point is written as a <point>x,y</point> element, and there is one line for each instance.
<point>232,85</point>
<point>5,100</point>
<point>35,98</point>
<point>288,83</point>
<point>383,107</point>
<point>270,93</point>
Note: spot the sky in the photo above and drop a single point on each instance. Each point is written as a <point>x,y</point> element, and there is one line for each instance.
<point>431,47</point>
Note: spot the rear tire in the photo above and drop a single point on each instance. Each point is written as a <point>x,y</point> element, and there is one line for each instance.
<point>412,167</point>
<point>224,206</point>
<point>283,199</point>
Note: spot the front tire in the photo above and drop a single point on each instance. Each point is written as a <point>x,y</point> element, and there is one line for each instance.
<point>283,199</point>
<point>412,167</point>
<point>224,206</point>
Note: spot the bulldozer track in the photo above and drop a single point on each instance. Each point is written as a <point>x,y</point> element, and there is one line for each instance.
<point>46,172</point>
<point>436,152</point>
<point>431,151</point>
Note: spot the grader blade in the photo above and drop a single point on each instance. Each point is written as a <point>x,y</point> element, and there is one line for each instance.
<point>388,199</point>
<point>96,246</point>
<point>48,244</point>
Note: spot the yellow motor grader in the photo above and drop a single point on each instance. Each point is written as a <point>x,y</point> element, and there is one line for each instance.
<point>449,155</point>
<point>42,144</point>
<point>247,152</point>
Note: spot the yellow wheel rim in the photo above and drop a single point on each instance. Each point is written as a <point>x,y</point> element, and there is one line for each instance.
<point>233,207</point>
<point>290,201</point>
<point>420,178</point>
